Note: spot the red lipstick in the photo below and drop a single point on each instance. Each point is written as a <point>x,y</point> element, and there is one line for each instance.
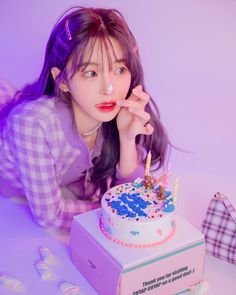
<point>106,106</point>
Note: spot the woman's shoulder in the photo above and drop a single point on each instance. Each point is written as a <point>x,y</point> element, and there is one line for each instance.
<point>40,113</point>
<point>38,108</point>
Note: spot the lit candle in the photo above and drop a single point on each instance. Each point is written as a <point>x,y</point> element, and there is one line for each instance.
<point>148,163</point>
<point>175,191</point>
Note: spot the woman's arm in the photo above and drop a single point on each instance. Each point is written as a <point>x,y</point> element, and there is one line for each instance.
<point>132,120</point>
<point>36,166</point>
<point>128,157</point>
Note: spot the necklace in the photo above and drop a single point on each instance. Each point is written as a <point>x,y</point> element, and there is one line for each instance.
<point>92,131</point>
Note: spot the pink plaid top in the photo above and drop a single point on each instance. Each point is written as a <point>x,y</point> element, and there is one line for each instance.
<point>40,154</point>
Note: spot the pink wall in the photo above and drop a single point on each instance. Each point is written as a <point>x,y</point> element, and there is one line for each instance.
<point>188,49</point>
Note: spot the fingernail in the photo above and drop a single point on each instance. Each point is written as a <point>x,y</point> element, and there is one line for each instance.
<point>150,129</point>
<point>137,92</point>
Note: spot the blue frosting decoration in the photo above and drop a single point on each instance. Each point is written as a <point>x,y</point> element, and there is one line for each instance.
<point>134,232</point>
<point>167,194</point>
<point>130,205</point>
<point>108,229</point>
<point>168,206</point>
<point>138,184</point>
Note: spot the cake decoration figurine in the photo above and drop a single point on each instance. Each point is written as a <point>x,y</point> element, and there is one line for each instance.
<point>170,203</point>
<point>163,183</point>
<point>161,193</point>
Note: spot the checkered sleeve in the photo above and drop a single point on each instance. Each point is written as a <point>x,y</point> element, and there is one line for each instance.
<point>35,164</point>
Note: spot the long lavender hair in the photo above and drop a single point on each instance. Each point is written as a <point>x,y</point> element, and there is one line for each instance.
<point>69,40</point>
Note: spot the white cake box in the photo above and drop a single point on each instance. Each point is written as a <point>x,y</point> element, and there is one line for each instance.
<point>167,269</point>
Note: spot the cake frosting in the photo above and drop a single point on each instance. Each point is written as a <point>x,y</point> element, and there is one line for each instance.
<point>137,215</point>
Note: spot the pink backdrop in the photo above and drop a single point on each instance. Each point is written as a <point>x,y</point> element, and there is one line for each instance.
<point>188,50</point>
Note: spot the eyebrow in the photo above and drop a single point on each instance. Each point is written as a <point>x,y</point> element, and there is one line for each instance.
<point>91,63</point>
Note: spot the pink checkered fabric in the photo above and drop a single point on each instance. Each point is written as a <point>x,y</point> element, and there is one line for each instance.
<point>41,153</point>
<point>219,228</point>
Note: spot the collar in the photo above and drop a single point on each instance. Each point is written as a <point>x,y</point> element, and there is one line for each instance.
<point>66,117</point>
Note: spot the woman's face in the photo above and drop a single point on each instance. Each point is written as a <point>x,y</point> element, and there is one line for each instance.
<point>96,88</point>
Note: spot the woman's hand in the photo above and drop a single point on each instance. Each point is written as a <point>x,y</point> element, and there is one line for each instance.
<point>132,118</point>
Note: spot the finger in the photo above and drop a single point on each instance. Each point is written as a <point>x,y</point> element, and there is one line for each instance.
<point>144,116</point>
<point>148,129</point>
<point>136,92</point>
<point>141,95</point>
<point>130,104</point>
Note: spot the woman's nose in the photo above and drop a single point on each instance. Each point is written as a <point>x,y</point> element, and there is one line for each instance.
<point>108,87</point>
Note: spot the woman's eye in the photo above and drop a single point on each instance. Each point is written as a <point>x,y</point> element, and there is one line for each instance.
<point>120,70</point>
<point>90,74</point>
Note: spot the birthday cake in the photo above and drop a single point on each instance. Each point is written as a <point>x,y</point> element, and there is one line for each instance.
<point>138,215</point>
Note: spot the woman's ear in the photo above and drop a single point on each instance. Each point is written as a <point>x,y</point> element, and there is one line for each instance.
<point>55,72</point>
